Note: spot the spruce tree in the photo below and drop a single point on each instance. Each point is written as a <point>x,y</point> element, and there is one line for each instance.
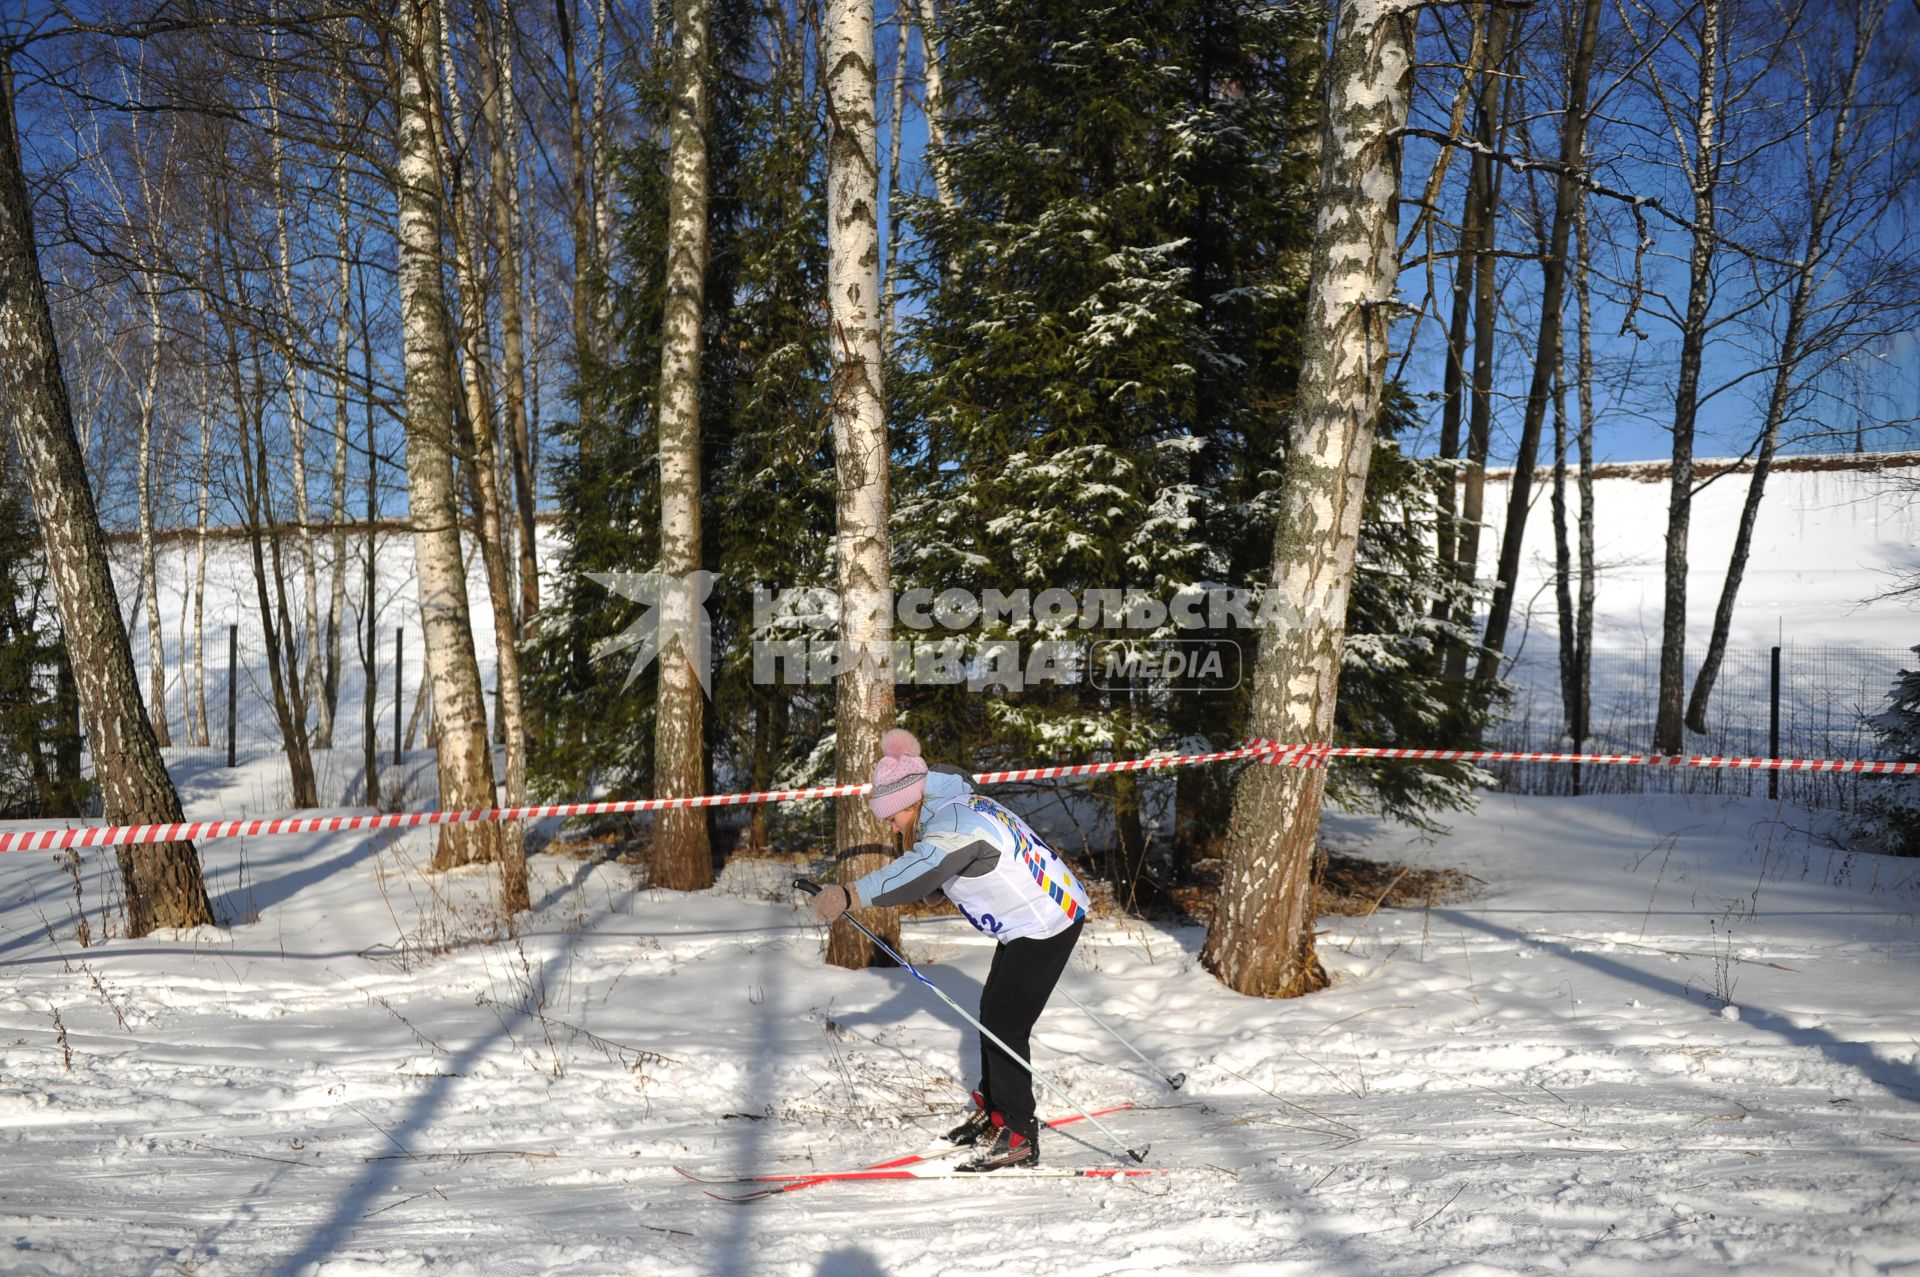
<point>1099,347</point>
<point>1888,818</point>
<point>767,511</point>
<point>39,724</point>
<point>1099,377</point>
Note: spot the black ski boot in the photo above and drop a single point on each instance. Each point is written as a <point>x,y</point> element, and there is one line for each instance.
<point>978,1126</point>
<point>1009,1148</point>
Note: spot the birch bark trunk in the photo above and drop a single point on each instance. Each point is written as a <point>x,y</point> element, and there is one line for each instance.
<point>1827,183</point>
<point>1485,187</point>
<point>464,758</point>
<point>1583,384</point>
<point>890,291</point>
<point>202,501</point>
<point>1453,375</point>
<point>580,211</point>
<point>149,558</point>
<point>936,102</point>
<point>682,855</point>
<point>161,885</point>
<point>863,554</point>
<point>503,123</point>
<point>343,324</point>
<point>1546,358</point>
<point>1703,175</point>
<point>1261,940</point>
<point>479,433</point>
<point>297,425</point>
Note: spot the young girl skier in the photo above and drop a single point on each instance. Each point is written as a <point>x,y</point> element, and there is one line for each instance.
<point>1010,885</point>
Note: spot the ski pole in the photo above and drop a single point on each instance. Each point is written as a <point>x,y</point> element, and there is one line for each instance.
<point>1174,1081</point>
<point>1138,1155</point>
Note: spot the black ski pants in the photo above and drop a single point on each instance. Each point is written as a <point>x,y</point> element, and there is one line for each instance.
<point>1018,986</point>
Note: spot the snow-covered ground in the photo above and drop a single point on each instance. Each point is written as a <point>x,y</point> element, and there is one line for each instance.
<point>1667,1035</point>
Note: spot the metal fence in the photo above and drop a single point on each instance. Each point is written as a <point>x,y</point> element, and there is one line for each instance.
<point>240,717</point>
<point>1825,695</point>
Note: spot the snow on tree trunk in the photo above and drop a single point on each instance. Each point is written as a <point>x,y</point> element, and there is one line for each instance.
<point>465,762</point>
<point>162,884</point>
<point>864,691</point>
<point>682,858</point>
<point>1261,940</point>
<point>1704,175</point>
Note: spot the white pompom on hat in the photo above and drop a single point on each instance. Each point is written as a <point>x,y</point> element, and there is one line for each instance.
<point>900,777</point>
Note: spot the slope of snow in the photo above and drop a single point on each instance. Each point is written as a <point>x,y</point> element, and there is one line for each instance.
<point>1668,1035</point>
<point>1827,545</point>
<point>1828,542</point>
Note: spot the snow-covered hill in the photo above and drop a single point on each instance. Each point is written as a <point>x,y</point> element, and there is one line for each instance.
<point>1830,540</point>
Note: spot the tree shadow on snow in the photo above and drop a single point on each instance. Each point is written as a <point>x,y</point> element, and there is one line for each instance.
<point>1902,1079</point>
<point>849,1261</point>
<point>358,1202</point>
<point>243,899</point>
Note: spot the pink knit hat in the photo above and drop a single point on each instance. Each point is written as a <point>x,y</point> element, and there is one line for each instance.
<point>900,777</point>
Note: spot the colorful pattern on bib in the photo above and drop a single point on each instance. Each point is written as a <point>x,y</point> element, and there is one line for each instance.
<point>1034,855</point>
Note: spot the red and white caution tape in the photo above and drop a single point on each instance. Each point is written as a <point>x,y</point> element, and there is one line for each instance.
<point>1266,751</point>
<point>1862,767</point>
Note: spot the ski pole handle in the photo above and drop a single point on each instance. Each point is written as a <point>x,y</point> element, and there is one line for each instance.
<point>807,885</point>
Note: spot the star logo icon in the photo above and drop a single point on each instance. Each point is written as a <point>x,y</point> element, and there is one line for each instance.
<point>673,623</point>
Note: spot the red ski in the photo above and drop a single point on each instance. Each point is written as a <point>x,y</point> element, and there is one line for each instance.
<point>944,1171</point>
<point>897,1168</point>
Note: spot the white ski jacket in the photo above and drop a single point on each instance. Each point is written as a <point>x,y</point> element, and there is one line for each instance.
<point>987,860</point>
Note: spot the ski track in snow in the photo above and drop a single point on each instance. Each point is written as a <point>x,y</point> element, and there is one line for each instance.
<point>1537,1080</point>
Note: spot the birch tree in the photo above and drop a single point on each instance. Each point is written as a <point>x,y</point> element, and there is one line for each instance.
<point>478,438</point>
<point>1261,940</point>
<point>1546,359</point>
<point>465,761</point>
<point>296,404</point>
<point>864,690</point>
<point>936,98</point>
<point>501,113</point>
<point>1697,129</point>
<point>1843,288</point>
<point>1483,194</point>
<point>162,884</point>
<point>682,858</point>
